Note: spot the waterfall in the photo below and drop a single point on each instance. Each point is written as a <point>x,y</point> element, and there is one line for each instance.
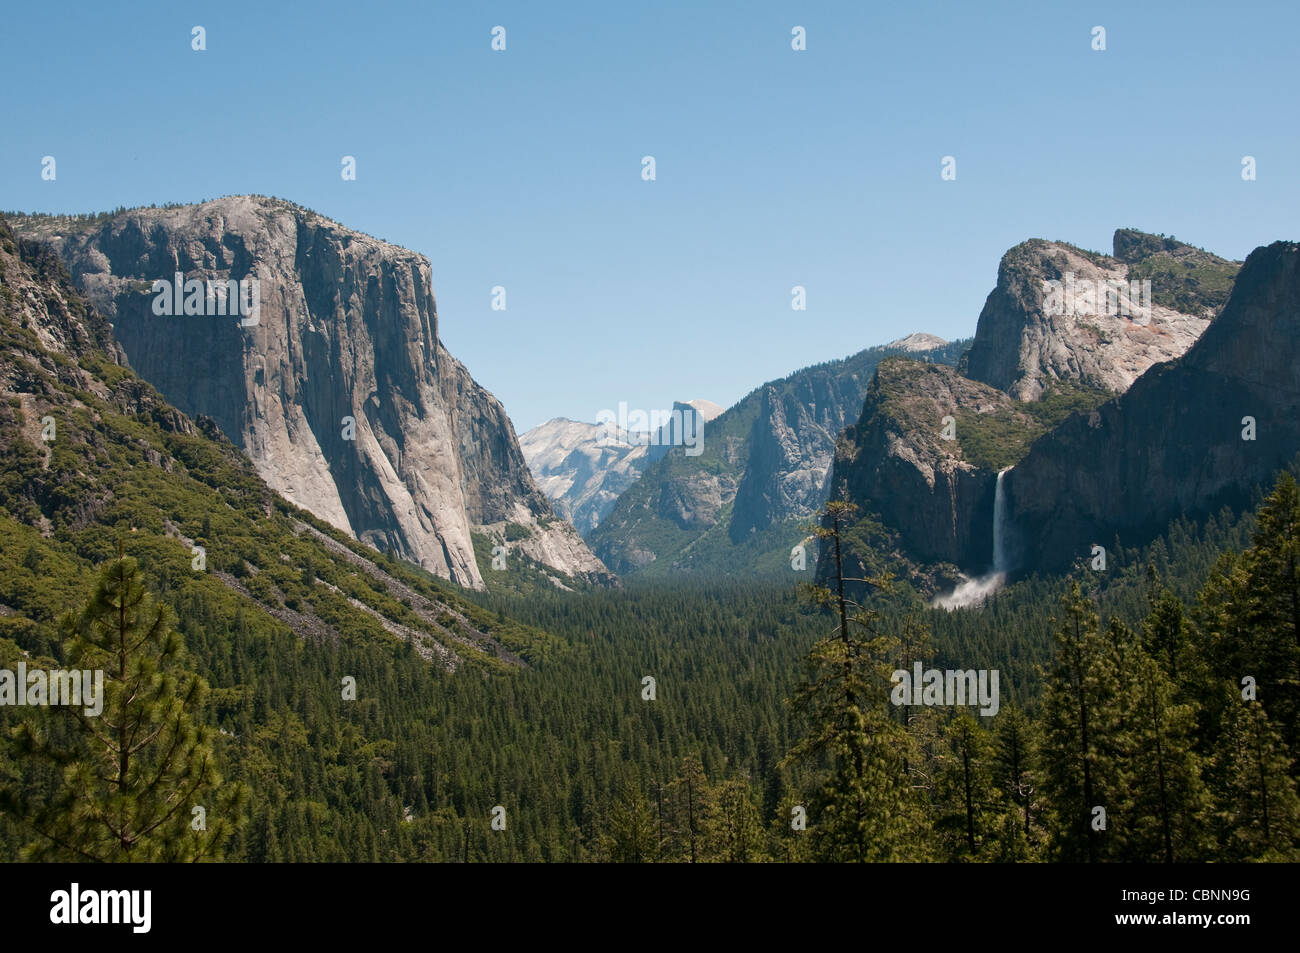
<point>974,591</point>
<point>999,529</point>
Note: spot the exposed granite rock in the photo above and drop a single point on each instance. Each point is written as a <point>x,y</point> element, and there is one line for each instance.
<point>347,328</point>
<point>896,465</point>
<point>740,504</point>
<point>1026,338</point>
<point>584,467</point>
<point>791,445</point>
<point>691,418</point>
<point>114,445</point>
<point>695,501</point>
<point>579,470</point>
<point>917,343</point>
<point>1173,443</point>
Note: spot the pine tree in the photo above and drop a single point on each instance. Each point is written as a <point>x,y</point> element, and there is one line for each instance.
<point>1258,806</point>
<point>1166,637</point>
<point>1223,646</point>
<point>965,793</point>
<point>628,835</point>
<point>865,809</point>
<point>921,725</point>
<point>1164,805</point>
<point>1013,758</point>
<point>1272,654</point>
<point>261,843</point>
<point>733,828</point>
<point>687,809</point>
<point>1081,718</point>
<point>140,781</point>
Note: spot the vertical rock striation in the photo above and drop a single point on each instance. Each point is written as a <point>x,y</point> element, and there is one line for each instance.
<point>1173,443</point>
<point>347,328</point>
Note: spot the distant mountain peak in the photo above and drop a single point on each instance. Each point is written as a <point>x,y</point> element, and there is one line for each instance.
<point>739,506</point>
<point>583,467</point>
<point>918,341</point>
<point>705,408</point>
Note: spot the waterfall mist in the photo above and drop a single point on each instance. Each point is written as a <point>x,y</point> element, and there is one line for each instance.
<point>972,592</point>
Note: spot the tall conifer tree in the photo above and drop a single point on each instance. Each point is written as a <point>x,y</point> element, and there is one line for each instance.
<point>865,808</point>
<point>140,781</point>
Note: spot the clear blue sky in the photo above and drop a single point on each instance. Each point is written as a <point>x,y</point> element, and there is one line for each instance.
<point>775,168</point>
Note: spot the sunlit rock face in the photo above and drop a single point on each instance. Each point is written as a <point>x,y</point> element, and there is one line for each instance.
<point>339,390</point>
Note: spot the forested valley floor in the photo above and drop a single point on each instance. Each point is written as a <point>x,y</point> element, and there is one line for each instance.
<point>765,732</point>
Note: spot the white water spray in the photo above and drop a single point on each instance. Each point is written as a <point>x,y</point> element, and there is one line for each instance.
<point>999,517</point>
<point>974,591</point>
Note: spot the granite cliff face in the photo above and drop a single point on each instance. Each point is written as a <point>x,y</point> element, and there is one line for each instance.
<point>897,466</point>
<point>583,468</point>
<point>579,470</point>
<point>341,392</point>
<point>90,448</point>
<point>790,449</point>
<point>1046,355</point>
<point>1173,444</point>
<point>1027,338</point>
<point>740,506</point>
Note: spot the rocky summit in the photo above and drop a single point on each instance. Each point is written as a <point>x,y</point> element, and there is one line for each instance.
<point>584,467</point>
<point>580,469</point>
<point>337,388</point>
<point>741,505</point>
<point>1060,313</point>
<point>1064,331</point>
<point>1202,431</point>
